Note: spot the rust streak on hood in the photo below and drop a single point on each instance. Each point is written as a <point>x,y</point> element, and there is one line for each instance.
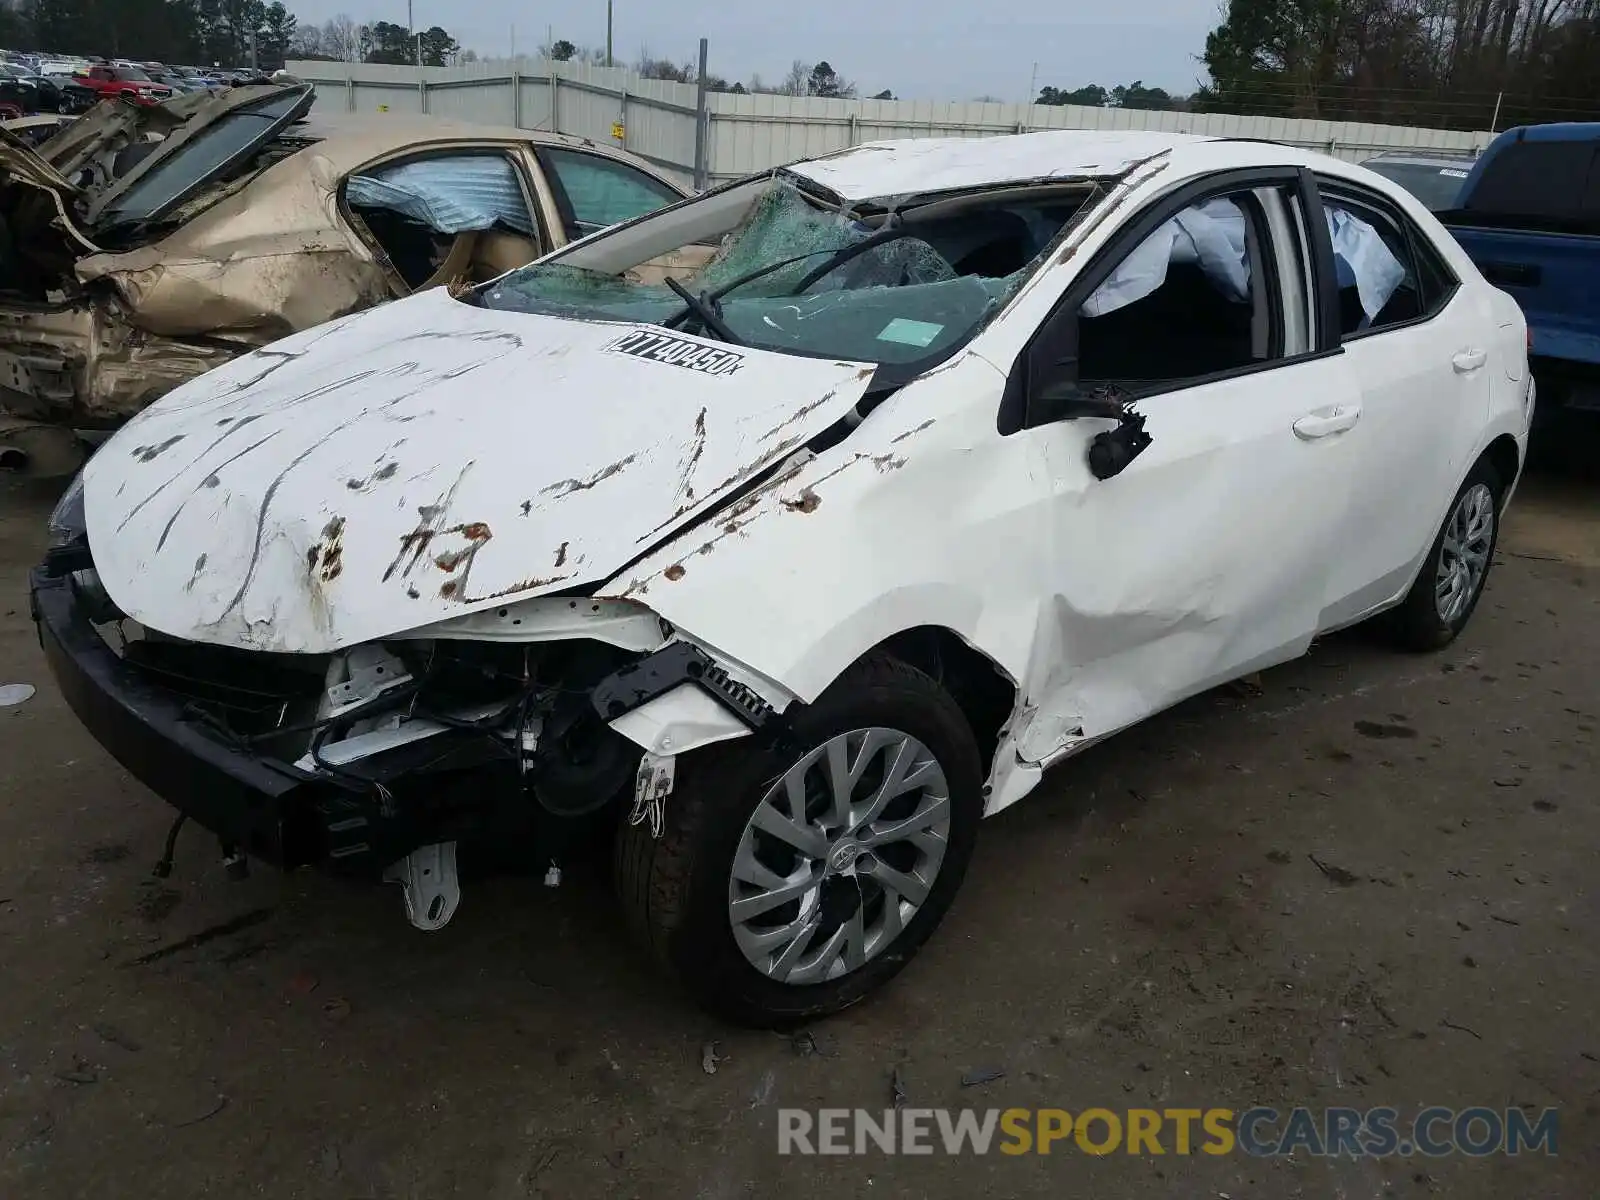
<point>521,433</point>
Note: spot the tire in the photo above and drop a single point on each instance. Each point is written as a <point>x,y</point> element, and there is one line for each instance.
<point>679,891</point>
<point>1424,621</point>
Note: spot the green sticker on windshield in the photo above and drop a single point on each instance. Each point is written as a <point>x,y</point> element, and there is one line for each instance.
<point>910,333</point>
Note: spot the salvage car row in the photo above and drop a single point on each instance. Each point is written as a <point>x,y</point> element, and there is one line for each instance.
<point>783,532</point>
<point>151,244</point>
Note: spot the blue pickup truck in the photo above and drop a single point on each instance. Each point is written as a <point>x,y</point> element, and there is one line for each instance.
<point>1529,216</point>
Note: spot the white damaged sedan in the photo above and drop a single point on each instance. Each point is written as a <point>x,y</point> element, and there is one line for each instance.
<point>792,529</point>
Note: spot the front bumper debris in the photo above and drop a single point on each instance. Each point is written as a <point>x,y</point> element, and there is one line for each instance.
<point>377,812</point>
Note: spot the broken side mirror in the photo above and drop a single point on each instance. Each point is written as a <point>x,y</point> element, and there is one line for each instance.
<point>1054,393</point>
<point>1114,449</point>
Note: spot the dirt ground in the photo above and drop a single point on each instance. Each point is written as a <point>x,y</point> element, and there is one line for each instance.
<point>1373,883</point>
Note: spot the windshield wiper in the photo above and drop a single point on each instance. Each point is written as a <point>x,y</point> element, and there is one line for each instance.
<point>704,306</point>
<point>889,233</point>
<point>838,256</point>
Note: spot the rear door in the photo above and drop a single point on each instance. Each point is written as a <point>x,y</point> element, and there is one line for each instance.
<point>466,211</point>
<point>593,192</point>
<point>1420,348</point>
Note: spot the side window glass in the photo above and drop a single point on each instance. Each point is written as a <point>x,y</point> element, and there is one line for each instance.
<point>598,192</point>
<point>1191,300</point>
<point>1435,281</point>
<point>1372,263</point>
<point>1387,274</point>
<point>446,217</point>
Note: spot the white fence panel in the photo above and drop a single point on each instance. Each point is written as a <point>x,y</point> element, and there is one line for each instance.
<point>657,116</point>
<point>751,133</point>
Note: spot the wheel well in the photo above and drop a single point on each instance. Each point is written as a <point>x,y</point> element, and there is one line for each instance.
<point>1503,457</point>
<point>984,693</point>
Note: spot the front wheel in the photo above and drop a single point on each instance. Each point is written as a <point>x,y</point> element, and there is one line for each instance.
<point>1448,587</point>
<point>787,885</point>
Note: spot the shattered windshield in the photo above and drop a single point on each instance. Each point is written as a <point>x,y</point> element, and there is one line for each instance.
<point>781,271</point>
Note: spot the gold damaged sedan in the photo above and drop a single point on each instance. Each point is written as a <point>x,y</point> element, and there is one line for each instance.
<point>140,247</point>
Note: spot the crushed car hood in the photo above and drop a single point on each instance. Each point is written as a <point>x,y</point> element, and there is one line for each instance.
<point>427,459</point>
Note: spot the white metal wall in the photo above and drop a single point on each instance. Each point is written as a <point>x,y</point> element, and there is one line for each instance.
<point>750,133</point>
<point>658,116</point>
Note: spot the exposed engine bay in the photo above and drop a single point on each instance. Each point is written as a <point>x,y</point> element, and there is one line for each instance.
<point>478,738</point>
<point>417,745</point>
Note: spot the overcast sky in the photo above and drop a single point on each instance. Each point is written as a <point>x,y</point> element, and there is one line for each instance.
<point>922,49</point>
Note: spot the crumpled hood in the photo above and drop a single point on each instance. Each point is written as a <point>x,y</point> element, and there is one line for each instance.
<point>428,459</point>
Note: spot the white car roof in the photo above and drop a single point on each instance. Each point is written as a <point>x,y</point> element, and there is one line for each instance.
<point>875,170</point>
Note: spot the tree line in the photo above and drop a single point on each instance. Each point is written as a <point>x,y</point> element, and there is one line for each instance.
<point>222,32</point>
<point>1444,63</point>
<point>802,79</point>
<point>1126,95</point>
<point>1451,63</point>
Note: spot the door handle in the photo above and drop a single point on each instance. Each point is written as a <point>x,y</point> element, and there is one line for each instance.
<point>1468,361</point>
<point>1325,422</point>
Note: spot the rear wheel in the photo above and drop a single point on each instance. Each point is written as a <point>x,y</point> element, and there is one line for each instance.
<point>788,885</point>
<point>1448,587</point>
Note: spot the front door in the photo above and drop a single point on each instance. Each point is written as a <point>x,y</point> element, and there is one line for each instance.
<point>1209,555</point>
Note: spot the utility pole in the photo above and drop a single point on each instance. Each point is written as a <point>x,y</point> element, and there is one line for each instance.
<point>255,61</point>
<point>1033,85</point>
<point>610,26</point>
<point>702,124</point>
<point>411,28</point>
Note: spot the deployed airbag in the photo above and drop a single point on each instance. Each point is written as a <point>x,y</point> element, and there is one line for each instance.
<point>1363,260</point>
<point>1212,234</point>
<point>457,195</point>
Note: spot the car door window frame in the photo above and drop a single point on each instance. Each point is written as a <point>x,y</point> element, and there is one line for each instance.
<point>511,152</point>
<point>1354,198</point>
<point>1299,188</point>
<point>572,227</point>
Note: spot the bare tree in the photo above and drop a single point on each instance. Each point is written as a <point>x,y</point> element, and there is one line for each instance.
<point>341,38</point>
<point>307,42</point>
<point>797,81</point>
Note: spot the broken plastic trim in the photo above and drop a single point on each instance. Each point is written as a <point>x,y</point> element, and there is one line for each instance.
<point>1110,452</point>
<point>670,667</point>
